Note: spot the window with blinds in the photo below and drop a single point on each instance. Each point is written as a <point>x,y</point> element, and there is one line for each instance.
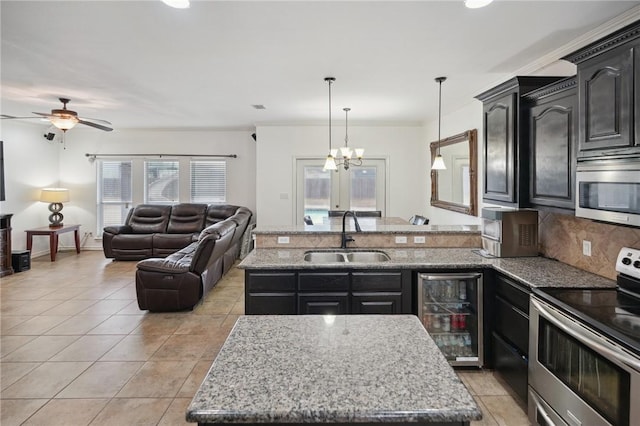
<point>121,183</point>
<point>208,181</point>
<point>161,181</point>
<point>114,192</point>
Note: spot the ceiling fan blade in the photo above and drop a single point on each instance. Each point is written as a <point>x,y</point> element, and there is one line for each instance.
<point>5,116</point>
<point>42,114</point>
<point>95,119</point>
<point>97,126</point>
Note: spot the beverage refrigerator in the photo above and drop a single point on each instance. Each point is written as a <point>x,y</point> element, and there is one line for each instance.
<point>450,308</point>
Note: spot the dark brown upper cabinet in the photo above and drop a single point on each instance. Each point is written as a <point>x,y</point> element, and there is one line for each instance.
<point>608,87</point>
<point>553,128</point>
<point>506,132</point>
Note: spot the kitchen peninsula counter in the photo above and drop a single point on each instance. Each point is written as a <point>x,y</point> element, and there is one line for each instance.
<point>331,370</point>
<point>531,271</point>
<point>375,232</point>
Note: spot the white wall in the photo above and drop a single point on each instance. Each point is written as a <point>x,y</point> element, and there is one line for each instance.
<point>33,163</point>
<point>466,118</point>
<point>278,146</point>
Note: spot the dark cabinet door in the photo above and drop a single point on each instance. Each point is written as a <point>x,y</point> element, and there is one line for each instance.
<point>553,137</point>
<point>605,85</point>
<point>376,303</point>
<point>499,158</point>
<point>323,303</point>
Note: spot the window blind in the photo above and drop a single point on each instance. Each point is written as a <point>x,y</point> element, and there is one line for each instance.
<point>208,181</point>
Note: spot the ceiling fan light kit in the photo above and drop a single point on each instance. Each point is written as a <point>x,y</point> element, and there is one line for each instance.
<point>476,4</point>
<point>177,4</point>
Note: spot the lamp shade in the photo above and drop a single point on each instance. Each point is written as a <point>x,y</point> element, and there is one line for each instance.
<point>438,163</point>
<point>54,195</point>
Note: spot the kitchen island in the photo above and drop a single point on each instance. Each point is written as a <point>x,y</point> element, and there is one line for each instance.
<point>331,370</point>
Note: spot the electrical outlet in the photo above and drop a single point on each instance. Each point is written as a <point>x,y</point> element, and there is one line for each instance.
<point>283,240</point>
<point>586,247</point>
<point>419,240</point>
<point>401,240</point>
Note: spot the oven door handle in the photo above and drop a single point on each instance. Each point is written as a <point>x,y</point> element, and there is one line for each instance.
<point>584,335</point>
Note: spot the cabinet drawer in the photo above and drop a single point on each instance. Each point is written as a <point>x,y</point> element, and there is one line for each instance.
<point>376,303</point>
<point>323,281</point>
<point>512,324</point>
<point>512,293</point>
<point>270,304</point>
<point>323,304</point>
<point>511,366</point>
<point>270,281</point>
<point>376,281</point>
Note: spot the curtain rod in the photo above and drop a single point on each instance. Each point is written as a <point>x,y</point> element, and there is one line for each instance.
<point>94,156</point>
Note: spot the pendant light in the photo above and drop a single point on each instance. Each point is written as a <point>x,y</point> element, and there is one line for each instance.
<point>438,162</point>
<point>330,163</point>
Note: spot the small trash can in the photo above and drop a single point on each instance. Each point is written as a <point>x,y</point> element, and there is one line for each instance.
<point>21,260</point>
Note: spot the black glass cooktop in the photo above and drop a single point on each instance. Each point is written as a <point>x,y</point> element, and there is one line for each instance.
<point>613,313</point>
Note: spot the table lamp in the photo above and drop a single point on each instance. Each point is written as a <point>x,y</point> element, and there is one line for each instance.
<point>55,196</point>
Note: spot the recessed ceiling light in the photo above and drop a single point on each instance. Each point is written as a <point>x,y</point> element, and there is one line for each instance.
<point>475,4</point>
<point>178,4</point>
<point>259,106</point>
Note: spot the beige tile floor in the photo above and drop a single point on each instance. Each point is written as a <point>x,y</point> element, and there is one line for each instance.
<point>76,350</point>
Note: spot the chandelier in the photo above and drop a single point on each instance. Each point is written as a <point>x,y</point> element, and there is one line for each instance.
<point>347,153</point>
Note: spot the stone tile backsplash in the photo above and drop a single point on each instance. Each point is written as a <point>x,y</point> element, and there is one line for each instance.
<point>561,238</point>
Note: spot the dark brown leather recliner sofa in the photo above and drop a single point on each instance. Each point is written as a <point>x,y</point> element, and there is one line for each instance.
<point>183,250</point>
<point>180,280</point>
<point>152,230</point>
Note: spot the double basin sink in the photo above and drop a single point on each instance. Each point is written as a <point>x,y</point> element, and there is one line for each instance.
<point>346,256</point>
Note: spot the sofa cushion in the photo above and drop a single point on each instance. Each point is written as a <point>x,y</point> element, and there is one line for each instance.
<point>169,265</point>
<point>166,244</point>
<point>132,241</point>
<point>219,212</point>
<point>186,218</point>
<point>149,219</point>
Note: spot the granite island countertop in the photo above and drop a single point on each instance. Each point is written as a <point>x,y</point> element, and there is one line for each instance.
<point>331,369</point>
<point>531,271</point>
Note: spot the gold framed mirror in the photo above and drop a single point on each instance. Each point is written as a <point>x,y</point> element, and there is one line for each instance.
<point>456,188</point>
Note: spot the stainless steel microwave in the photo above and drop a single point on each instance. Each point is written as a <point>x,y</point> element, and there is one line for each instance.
<point>609,192</point>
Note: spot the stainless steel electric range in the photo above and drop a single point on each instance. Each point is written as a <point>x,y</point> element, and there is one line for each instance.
<point>584,347</point>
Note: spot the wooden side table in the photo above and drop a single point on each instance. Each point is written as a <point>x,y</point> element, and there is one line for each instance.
<point>53,237</point>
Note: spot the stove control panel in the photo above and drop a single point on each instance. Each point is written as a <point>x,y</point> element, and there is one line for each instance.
<point>628,262</point>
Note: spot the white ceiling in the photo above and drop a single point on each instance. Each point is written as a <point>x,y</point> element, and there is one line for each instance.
<point>143,64</point>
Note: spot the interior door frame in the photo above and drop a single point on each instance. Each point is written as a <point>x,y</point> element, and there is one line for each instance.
<point>298,219</point>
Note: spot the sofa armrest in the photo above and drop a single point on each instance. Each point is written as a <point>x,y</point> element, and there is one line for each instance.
<point>177,265</point>
<point>118,229</point>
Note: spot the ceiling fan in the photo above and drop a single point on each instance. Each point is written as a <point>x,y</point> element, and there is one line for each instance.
<point>65,119</point>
